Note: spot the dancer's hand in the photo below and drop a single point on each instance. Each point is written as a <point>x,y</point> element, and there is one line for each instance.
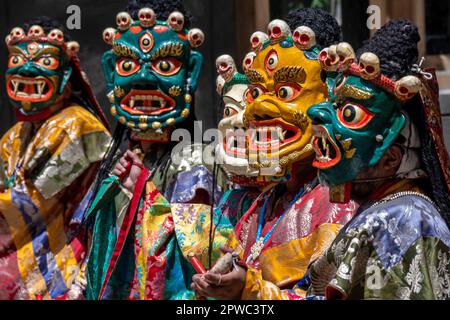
<point>222,287</point>
<point>128,169</point>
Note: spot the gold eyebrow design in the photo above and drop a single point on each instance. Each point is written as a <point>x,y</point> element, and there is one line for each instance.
<point>15,50</point>
<point>124,51</point>
<point>254,76</point>
<point>49,50</point>
<point>349,91</point>
<point>290,74</point>
<point>168,50</point>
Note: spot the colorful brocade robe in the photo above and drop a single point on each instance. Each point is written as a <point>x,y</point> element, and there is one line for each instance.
<point>304,232</point>
<point>235,203</point>
<point>142,251</point>
<point>394,250</point>
<point>46,176</point>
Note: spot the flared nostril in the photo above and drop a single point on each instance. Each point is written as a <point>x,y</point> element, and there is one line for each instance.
<point>320,114</point>
<point>27,73</point>
<point>317,119</point>
<point>145,81</point>
<point>262,110</point>
<point>258,117</point>
<point>142,85</point>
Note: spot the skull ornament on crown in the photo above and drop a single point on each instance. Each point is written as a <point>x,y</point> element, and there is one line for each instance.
<point>39,70</point>
<point>152,72</point>
<point>285,80</point>
<point>364,114</point>
<point>232,86</point>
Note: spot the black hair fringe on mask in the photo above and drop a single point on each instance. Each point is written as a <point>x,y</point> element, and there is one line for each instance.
<point>395,44</point>
<point>324,25</point>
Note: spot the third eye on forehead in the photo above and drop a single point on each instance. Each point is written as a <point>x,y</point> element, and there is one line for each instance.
<point>145,46</point>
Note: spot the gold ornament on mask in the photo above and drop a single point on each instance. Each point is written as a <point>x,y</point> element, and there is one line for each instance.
<point>346,145</point>
<point>26,105</point>
<point>185,113</point>
<point>119,92</point>
<point>123,51</point>
<point>175,91</point>
<point>111,97</point>
<point>156,125</point>
<point>143,126</point>
<point>301,120</point>
<point>170,49</point>
<point>349,91</point>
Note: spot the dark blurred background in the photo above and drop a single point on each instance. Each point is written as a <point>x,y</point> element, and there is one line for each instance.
<point>228,25</point>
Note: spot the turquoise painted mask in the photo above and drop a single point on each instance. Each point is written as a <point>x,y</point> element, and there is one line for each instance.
<point>152,73</point>
<point>37,74</point>
<point>353,129</point>
<point>361,118</point>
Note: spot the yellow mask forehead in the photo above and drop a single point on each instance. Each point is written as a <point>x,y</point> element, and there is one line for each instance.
<point>285,83</point>
<point>275,60</point>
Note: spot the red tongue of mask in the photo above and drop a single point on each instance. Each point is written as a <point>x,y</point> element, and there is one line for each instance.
<point>30,89</point>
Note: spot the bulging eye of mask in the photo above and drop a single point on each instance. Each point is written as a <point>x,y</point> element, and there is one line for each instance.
<point>38,69</point>
<point>360,120</point>
<point>285,80</point>
<point>152,73</point>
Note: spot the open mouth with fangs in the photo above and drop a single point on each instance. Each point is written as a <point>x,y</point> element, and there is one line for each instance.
<point>29,89</point>
<point>147,102</point>
<point>327,152</point>
<point>272,135</point>
<point>234,142</point>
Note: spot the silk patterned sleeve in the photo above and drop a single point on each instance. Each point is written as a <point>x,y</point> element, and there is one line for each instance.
<point>256,288</point>
<point>423,274</point>
<point>399,250</point>
<point>70,143</point>
<point>109,201</point>
<point>10,148</point>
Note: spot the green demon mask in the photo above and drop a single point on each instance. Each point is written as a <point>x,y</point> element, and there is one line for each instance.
<point>361,118</point>
<point>152,72</point>
<point>38,70</point>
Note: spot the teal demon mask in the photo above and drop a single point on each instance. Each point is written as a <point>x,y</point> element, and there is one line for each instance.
<point>152,73</point>
<point>360,120</point>
<point>38,70</point>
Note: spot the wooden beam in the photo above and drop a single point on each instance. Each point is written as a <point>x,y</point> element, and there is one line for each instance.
<point>251,16</point>
<point>418,16</point>
<point>262,14</point>
<point>413,10</point>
